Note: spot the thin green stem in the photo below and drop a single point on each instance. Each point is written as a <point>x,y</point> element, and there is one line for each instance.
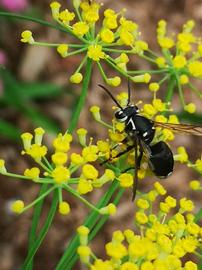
<point>77,195</point>
<point>170,89</point>
<point>81,64</point>
<point>102,71</point>
<point>84,91</point>
<point>42,233</point>
<point>77,51</point>
<point>90,222</point>
<point>96,229</point>
<point>31,19</point>
<point>147,71</point>
<point>38,199</point>
<point>195,90</point>
<point>180,92</point>
<point>110,62</point>
<point>35,219</point>
<point>38,43</point>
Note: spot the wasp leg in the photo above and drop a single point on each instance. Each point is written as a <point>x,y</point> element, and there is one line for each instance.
<point>118,155</point>
<point>135,181</point>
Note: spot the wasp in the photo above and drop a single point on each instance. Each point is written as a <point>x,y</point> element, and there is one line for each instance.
<point>140,131</point>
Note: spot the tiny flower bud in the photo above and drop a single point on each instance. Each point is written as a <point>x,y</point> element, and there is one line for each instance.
<point>95,110</point>
<point>191,108</point>
<point>76,78</point>
<point>17,207</point>
<point>64,208</point>
<point>62,49</point>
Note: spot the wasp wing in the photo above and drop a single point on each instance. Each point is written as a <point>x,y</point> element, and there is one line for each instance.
<point>181,128</point>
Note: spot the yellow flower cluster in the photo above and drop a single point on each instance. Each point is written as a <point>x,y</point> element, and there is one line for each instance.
<point>183,61</point>
<point>97,44</point>
<point>162,242</point>
<point>58,172</point>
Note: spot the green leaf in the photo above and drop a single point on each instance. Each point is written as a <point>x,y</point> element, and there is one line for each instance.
<point>9,130</point>
<point>38,90</point>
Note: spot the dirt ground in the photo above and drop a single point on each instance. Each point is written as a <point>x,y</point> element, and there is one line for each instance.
<point>42,64</point>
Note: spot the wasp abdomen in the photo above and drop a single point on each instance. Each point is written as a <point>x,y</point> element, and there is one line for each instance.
<point>161,160</point>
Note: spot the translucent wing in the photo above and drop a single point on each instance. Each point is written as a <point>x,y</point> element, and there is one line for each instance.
<point>181,128</point>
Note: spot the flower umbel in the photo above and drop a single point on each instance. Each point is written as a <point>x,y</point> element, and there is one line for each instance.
<point>58,173</point>
<point>158,242</point>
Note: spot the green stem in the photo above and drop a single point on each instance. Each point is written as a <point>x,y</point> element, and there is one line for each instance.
<point>180,92</point>
<point>77,195</point>
<point>90,222</point>
<point>96,229</point>
<point>42,233</point>
<point>170,89</point>
<point>28,18</point>
<point>38,199</point>
<point>35,219</point>
<point>84,91</point>
<point>147,71</point>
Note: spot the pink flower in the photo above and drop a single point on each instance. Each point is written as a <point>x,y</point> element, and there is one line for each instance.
<point>14,5</point>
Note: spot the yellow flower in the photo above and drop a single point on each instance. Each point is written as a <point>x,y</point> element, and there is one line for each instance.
<point>195,68</point>
<point>90,153</point>
<point>64,208</point>
<point>126,180</point>
<point>159,188</point>
<point>76,78</point>
<point>32,173</point>
<point>107,35</point>
<point>2,166</point>
<point>191,108</point>
<point>84,253</point>
<point>194,184</point>
<point>126,37</point>
<point>166,43</point>
<point>17,207</point>
<point>80,28</point>
<point>37,151</point>
<point>184,79</point>
<point>95,52</point>
<point>62,49</point>
<point>65,16</point>
<point>59,158</point>
<point>26,139</point>
<point>84,186</point>
<point>61,142</point>
<point>115,81</point>
<point>89,172</point>
<point>142,203</point>
<point>95,110</point>
<point>179,61</point>
<point>60,174</point>
<point>26,37</point>
<point>129,266</point>
<point>154,87</point>
<point>116,250</point>
<point>55,8</point>
<point>141,217</point>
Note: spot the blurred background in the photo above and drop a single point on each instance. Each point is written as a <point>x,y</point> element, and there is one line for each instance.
<point>35,91</point>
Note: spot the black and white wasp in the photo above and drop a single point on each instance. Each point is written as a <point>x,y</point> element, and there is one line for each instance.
<point>140,131</point>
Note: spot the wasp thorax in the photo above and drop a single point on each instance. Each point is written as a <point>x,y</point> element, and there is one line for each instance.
<point>123,114</point>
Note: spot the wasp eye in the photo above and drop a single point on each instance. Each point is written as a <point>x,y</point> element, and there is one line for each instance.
<point>120,116</point>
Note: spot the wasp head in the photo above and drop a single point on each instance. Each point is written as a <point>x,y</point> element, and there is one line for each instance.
<point>123,114</point>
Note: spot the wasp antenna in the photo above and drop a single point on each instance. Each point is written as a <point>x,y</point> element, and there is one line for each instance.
<point>112,97</point>
<point>129,92</point>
